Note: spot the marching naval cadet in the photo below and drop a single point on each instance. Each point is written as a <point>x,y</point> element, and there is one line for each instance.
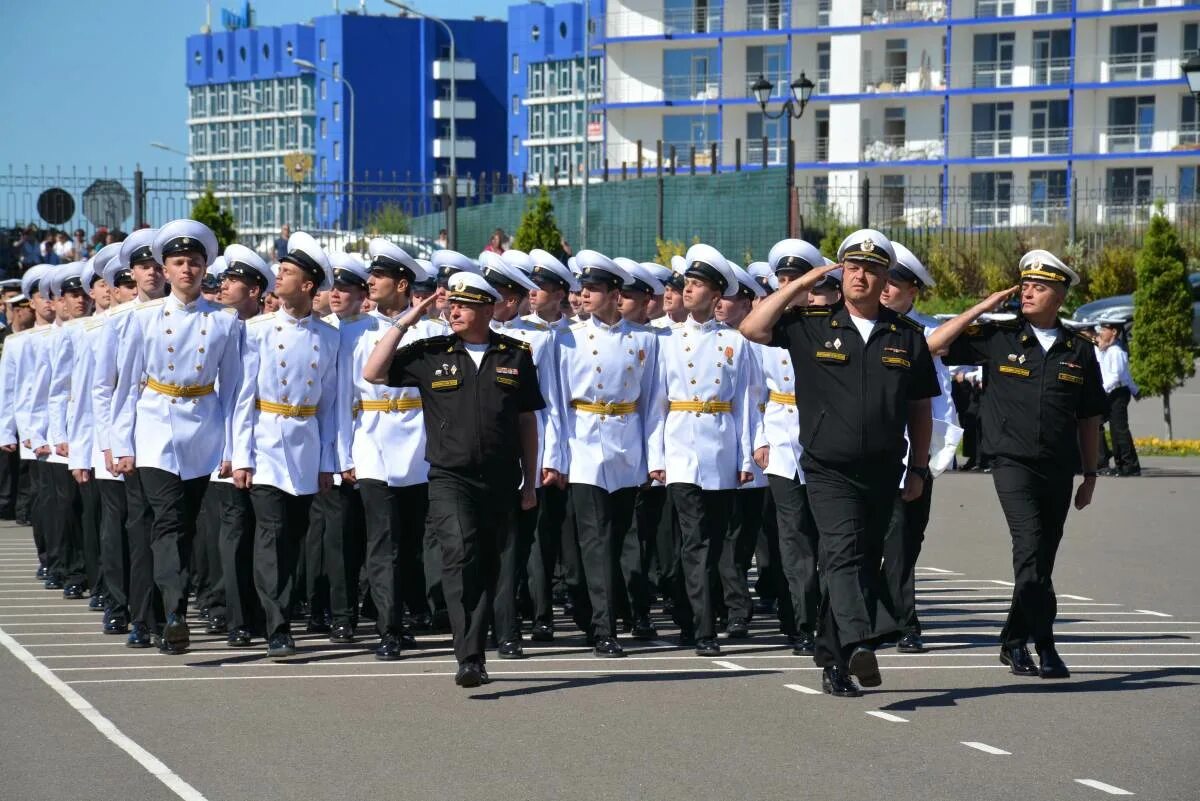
<point>447,263</point>
<point>1041,415</point>
<point>639,546</point>
<point>145,602</point>
<point>597,446</point>
<point>521,261</point>
<point>796,531</point>
<point>702,443</point>
<point>479,392</point>
<point>866,373</point>
<point>906,532</point>
<point>381,445</point>
<point>507,277</point>
<point>245,282</point>
<point>285,428</point>
<point>673,310</point>
<point>332,547</point>
<point>554,281</point>
<point>207,578</point>
<point>749,502</point>
<point>10,461</point>
<point>426,286</point>
<point>169,426</point>
<point>20,320</point>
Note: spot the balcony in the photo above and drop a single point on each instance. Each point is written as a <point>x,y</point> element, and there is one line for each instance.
<point>886,12</point>
<point>766,15</point>
<point>1189,136</point>
<point>806,151</point>
<point>780,84</point>
<point>693,20</point>
<point>1048,211</point>
<point>900,79</point>
<point>897,148</point>
<point>1051,6</point>
<point>1051,71</point>
<point>465,148</point>
<point>991,74</point>
<point>461,70</point>
<point>991,144</point>
<point>986,9</point>
<point>461,109</point>
<point>1049,141</point>
<point>683,154</point>
<point>1131,67</point>
<point>1127,139</point>
<point>692,87</point>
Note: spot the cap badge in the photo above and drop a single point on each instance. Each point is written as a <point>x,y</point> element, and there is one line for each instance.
<point>186,241</point>
<point>1037,265</point>
<point>868,246</point>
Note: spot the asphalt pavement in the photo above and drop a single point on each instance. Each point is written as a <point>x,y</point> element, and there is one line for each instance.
<point>86,718</point>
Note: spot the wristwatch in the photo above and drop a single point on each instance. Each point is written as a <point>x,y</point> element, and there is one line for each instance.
<point>921,472</point>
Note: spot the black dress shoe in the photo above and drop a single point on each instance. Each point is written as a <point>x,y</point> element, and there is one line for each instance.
<point>175,636</point>
<point>542,632</point>
<point>911,643</point>
<point>53,582</point>
<point>836,681</point>
<point>238,637</point>
<point>1019,661</point>
<point>116,623</point>
<point>139,636</point>
<point>389,648</point>
<point>407,641</point>
<point>707,647</point>
<point>737,628</point>
<point>281,645</point>
<point>73,592</point>
<point>511,649</point>
<point>41,573</point>
<point>202,613</point>
<point>608,647</point>
<point>484,678</point>
<point>317,626</point>
<point>217,624</point>
<point>301,611</point>
<point>802,644</point>
<point>470,674</point>
<point>343,632</point>
<point>865,666</point>
<point>686,639</point>
<point>643,629</point>
<point>1051,664</point>
<point>96,603</point>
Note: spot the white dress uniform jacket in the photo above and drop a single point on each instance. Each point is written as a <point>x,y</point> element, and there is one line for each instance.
<point>700,364</point>
<point>757,389</point>
<point>781,424</point>
<point>543,344</point>
<point>39,352</point>
<point>104,384</point>
<point>601,364</point>
<point>943,404</point>
<point>84,445</point>
<point>64,350</point>
<point>12,390</point>
<point>285,425</point>
<point>182,350</point>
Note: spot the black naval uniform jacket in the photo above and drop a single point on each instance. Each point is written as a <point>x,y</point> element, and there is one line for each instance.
<point>852,396</point>
<point>471,417</point>
<point>1032,399</point>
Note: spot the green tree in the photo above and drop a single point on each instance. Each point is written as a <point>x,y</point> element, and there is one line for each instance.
<point>1115,272</point>
<point>208,210</point>
<point>387,218</point>
<point>1161,356</point>
<point>538,228</point>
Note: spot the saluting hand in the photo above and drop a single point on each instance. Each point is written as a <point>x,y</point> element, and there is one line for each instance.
<point>417,311</point>
<point>996,298</point>
<point>1083,495</point>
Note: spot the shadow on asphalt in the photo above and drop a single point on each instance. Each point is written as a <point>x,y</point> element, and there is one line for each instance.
<point>556,685</point>
<point>1106,683</point>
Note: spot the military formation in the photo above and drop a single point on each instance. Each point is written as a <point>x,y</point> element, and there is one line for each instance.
<point>465,444</point>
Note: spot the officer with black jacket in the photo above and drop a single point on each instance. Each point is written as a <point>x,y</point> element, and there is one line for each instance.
<point>866,374</point>
<point>1041,414</point>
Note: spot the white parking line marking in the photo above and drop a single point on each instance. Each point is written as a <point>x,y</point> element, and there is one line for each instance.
<point>1074,597</point>
<point>727,665</point>
<point>800,688</point>
<point>987,749</point>
<point>888,716</point>
<point>102,724</point>
<point>935,570</point>
<point>1156,614</point>
<point>1099,785</point>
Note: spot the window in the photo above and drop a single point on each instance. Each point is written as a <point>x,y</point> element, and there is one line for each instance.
<point>822,125</point>
<point>895,62</point>
<point>765,15</point>
<point>891,199</point>
<point>594,75</point>
<point>337,71</point>
<point>516,105</point>
<point>685,130</point>
<point>1127,191</point>
<point>535,161</point>
<point>991,198</point>
<point>822,68</point>
<point>516,64</point>
<point>220,56</point>
<point>537,77</point>
<point>993,59</point>
<point>1189,192</point>
<point>266,51</point>
<point>535,33</point>
<point>537,122</point>
<point>769,61</point>
<point>1047,195</point>
<point>758,126</point>
<point>1131,52</point>
<point>321,49</point>
<point>1191,41</point>
<point>323,89</point>
<point>691,16</point>
<point>820,191</point>
<point>196,57</point>
<point>337,111</point>
<point>991,130</point>
<point>1051,57</point>
<point>993,8</point>
<point>242,52</point>
<point>516,145</point>
<point>691,74</point>
<point>894,126</point>
<point>337,151</point>
<point>1130,124</point>
<point>1189,121</point>
<point>1048,124</point>
<point>324,167</point>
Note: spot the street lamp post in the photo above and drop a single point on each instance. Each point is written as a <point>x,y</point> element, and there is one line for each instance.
<point>793,107</point>
<point>168,148</point>
<point>453,86</point>
<point>305,64</point>
<point>1191,72</point>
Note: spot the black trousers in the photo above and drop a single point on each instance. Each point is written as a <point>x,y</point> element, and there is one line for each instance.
<point>602,520</point>
<point>703,520</point>
<point>666,544</point>
<point>474,518</point>
<point>41,497</point>
<point>431,559</point>
<point>145,600</point>
<point>206,555</point>
<point>514,561</point>
<point>543,555</point>
<point>64,534</point>
<point>639,549</point>
<point>235,545</point>
<point>395,531</point>
<point>737,552</point>
<point>174,506</point>
<point>24,494</point>
<point>10,474</point>
<point>1123,449</point>
<point>798,544</point>
<point>89,521</point>
<point>851,506</point>
<point>770,584</point>
<point>280,522</point>
<point>1035,498</point>
<point>114,545</point>
<point>334,548</point>
<point>901,549</point>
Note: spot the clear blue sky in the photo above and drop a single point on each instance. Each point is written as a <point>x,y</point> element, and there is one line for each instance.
<point>90,83</point>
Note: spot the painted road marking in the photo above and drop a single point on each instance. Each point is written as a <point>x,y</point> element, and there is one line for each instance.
<point>987,749</point>
<point>1099,785</point>
<point>888,716</point>
<point>727,665</point>
<point>800,688</point>
<point>1156,614</point>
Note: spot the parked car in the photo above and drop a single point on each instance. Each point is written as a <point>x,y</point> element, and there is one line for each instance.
<point>1121,307</point>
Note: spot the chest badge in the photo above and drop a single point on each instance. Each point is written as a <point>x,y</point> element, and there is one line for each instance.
<point>1012,357</point>
<point>1021,358</point>
<point>728,355</point>
<point>641,356</point>
<point>837,343</point>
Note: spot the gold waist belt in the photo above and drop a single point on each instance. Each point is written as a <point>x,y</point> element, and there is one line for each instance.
<point>177,391</point>
<point>786,398</point>
<point>702,407</point>
<point>393,405</point>
<point>617,409</point>
<point>286,410</point>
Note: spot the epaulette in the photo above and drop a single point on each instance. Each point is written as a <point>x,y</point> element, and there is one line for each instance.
<point>677,325</point>
<point>229,310</point>
<point>94,322</point>
<point>327,325</point>
<point>911,323</point>
<point>577,326</point>
<point>329,318</point>
<point>432,343</point>
<point>261,317</point>
<point>535,325</point>
<point>150,304</point>
<point>1014,324</point>
<point>128,305</point>
<point>42,329</point>
<point>814,311</point>
<point>514,342</point>
<point>644,327</point>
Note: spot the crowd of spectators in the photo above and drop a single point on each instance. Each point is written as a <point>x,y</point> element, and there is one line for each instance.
<point>25,247</point>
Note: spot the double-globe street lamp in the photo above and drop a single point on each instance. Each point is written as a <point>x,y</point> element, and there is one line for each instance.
<point>1191,72</point>
<point>793,108</point>
<point>305,64</point>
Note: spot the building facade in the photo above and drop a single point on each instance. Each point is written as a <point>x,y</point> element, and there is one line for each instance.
<point>375,105</point>
<point>959,112</point>
<point>554,92</point>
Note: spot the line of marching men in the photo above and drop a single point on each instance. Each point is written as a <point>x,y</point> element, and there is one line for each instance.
<point>668,448</point>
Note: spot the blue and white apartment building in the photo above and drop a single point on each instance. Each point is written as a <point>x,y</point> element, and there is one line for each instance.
<point>980,112</point>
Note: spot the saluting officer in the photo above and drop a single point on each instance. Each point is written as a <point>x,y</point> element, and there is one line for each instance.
<point>1041,415</point>
<point>285,428</point>
<point>702,443</point>
<point>479,392</point>
<point>864,373</point>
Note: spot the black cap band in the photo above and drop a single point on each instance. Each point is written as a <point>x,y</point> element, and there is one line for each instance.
<point>543,275</point>
<point>675,281</point>
<point>638,285</point>
<point>71,284</point>
<point>502,281</point>
<point>444,272</point>
<point>598,275</point>
<point>902,273</point>
<point>745,292</point>
<point>124,277</point>
<point>765,283</point>
<point>793,264</point>
<point>428,285</point>
<point>706,272</point>
<point>341,276</point>
<point>396,268</point>
<point>307,263</point>
<point>184,244</point>
<point>241,270</point>
<point>144,253</point>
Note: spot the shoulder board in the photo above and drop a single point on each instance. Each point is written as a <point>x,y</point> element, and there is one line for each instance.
<point>535,325</point>
<point>644,327</point>
<point>43,329</point>
<point>910,322</point>
<point>228,309</point>
<point>150,304</point>
<point>329,318</point>
<point>128,305</point>
<point>261,318</point>
<point>1011,325</point>
<point>815,311</point>
<point>677,325</point>
<point>579,325</point>
<point>514,342</point>
<point>327,325</point>
<point>434,342</point>
<point>93,323</point>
